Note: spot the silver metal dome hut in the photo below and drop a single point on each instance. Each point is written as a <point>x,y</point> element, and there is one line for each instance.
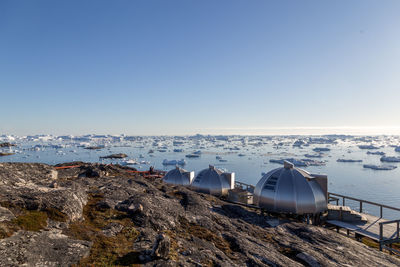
<point>214,181</point>
<point>292,190</point>
<point>178,176</point>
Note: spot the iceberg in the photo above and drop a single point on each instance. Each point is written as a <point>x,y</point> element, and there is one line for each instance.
<point>380,168</point>
<point>321,149</point>
<point>129,162</point>
<point>174,162</point>
<point>390,159</point>
<point>380,153</point>
<point>313,155</point>
<point>299,163</point>
<point>192,156</point>
<point>367,147</point>
<point>349,160</point>
<point>299,143</point>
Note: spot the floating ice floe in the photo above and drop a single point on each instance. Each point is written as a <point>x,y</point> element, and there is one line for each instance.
<point>313,155</point>
<point>129,162</point>
<point>174,162</point>
<point>380,153</point>
<point>349,160</point>
<point>380,167</point>
<point>321,149</point>
<point>192,156</point>
<point>390,159</point>
<point>300,163</point>
<point>367,147</point>
<point>299,143</point>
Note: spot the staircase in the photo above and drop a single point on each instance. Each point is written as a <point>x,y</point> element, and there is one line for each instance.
<point>345,214</point>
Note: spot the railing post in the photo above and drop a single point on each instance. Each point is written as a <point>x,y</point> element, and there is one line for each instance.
<point>381,212</point>
<point>398,229</point>
<point>337,202</point>
<point>380,236</point>
<point>361,206</point>
<point>343,201</point>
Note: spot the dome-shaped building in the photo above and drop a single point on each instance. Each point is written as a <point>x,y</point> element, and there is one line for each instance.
<point>214,181</point>
<point>292,190</point>
<point>178,176</point>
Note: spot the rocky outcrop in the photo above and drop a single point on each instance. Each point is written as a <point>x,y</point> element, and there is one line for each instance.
<point>6,215</point>
<point>115,156</point>
<point>6,144</point>
<point>31,186</point>
<point>46,248</point>
<point>121,218</point>
<point>2,154</point>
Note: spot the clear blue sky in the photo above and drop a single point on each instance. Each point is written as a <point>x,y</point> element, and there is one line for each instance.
<point>182,67</point>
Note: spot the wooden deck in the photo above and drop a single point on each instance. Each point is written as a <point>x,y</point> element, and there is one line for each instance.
<point>370,229</point>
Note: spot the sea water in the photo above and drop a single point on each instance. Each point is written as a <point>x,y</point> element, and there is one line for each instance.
<point>349,179</point>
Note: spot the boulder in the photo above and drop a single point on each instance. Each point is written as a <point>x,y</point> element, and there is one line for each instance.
<point>161,246</point>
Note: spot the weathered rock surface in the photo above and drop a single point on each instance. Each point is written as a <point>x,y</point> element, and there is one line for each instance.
<point>46,248</point>
<point>31,186</point>
<point>130,219</point>
<point>6,215</point>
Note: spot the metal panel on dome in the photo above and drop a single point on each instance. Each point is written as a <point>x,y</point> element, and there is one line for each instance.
<point>213,181</point>
<point>178,176</point>
<point>291,190</point>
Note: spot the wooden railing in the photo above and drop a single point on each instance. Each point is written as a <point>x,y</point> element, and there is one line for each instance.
<point>244,186</point>
<point>383,242</point>
<point>336,197</point>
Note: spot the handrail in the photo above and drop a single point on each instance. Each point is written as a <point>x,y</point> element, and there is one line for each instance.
<point>392,221</point>
<point>361,202</point>
<point>246,186</point>
<point>382,240</point>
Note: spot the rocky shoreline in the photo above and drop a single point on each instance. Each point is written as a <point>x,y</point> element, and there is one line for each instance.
<point>97,214</point>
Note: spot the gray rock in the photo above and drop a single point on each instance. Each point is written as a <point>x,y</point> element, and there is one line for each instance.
<point>311,261</point>
<point>161,246</point>
<point>6,215</point>
<point>112,229</point>
<point>47,248</point>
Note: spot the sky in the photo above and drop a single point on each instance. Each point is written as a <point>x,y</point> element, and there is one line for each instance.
<point>183,67</point>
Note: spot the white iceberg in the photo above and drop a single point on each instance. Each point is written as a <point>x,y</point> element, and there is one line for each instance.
<point>390,159</point>
<point>380,153</point>
<point>380,167</point>
<point>174,162</point>
<point>367,147</point>
<point>321,149</point>
<point>349,160</point>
